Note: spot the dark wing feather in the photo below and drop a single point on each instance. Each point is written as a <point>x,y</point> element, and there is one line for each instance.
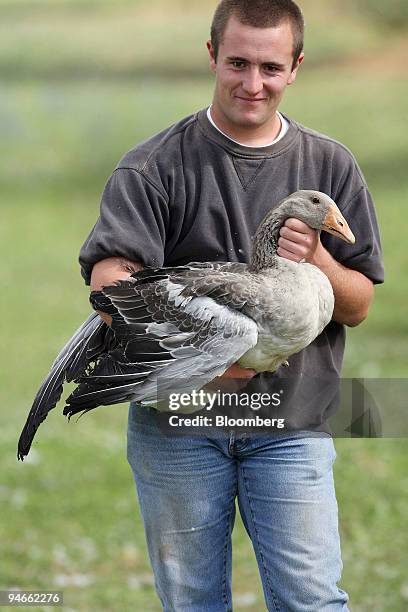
<point>85,345</point>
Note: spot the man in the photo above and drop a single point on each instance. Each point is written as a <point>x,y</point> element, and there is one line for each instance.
<point>197,191</point>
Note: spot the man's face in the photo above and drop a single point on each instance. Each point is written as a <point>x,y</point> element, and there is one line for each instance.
<point>253,69</point>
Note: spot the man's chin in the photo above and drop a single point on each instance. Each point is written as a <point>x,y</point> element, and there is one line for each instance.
<point>249,121</point>
<point>251,117</point>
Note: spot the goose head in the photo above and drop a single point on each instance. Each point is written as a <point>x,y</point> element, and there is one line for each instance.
<point>314,208</point>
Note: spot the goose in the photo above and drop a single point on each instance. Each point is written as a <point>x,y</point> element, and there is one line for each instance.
<point>175,329</point>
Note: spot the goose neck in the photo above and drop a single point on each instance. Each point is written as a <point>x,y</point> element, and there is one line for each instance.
<point>264,251</point>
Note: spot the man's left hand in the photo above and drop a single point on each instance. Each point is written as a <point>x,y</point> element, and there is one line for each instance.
<point>298,241</point>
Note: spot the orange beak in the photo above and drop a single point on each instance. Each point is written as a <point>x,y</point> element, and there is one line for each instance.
<point>336,224</point>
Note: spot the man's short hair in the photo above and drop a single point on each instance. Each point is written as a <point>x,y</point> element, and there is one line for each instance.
<point>259,14</point>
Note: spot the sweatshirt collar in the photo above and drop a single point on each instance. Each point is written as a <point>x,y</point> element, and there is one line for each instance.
<point>239,150</point>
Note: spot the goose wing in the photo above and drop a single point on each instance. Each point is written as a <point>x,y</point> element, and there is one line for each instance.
<point>178,329</point>
<point>93,337</point>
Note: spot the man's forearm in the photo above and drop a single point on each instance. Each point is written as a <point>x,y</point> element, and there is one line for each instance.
<point>107,271</point>
<point>352,290</point>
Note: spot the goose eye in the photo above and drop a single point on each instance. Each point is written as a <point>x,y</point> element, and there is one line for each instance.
<point>316,201</point>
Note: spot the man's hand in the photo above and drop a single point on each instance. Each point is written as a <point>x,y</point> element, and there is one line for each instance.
<point>234,379</point>
<point>235,371</point>
<point>353,292</point>
<point>298,242</point>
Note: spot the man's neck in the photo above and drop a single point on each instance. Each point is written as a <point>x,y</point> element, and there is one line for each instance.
<point>252,136</point>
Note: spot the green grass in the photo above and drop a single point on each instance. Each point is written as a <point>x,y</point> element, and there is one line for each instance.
<point>69,108</point>
<point>372,489</point>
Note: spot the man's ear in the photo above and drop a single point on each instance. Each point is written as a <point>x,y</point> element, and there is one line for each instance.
<point>213,63</point>
<point>293,74</point>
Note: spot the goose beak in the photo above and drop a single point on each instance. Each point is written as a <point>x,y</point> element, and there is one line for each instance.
<point>336,224</point>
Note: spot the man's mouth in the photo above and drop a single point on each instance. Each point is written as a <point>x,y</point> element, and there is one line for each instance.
<point>251,100</point>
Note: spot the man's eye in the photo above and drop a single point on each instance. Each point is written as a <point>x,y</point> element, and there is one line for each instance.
<point>270,68</point>
<point>238,64</point>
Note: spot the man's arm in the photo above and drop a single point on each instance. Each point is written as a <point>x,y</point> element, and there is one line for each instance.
<point>106,271</point>
<point>352,290</point>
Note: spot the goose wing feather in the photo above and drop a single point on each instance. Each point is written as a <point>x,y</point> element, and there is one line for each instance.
<point>92,338</point>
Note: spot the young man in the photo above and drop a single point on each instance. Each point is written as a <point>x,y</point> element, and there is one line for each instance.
<point>197,191</point>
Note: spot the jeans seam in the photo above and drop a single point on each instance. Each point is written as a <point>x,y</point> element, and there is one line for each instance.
<point>227,602</point>
<point>273,595</point>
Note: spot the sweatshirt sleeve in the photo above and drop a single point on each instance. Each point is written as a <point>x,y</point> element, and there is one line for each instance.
<point>132,223</point>
<point>357,206</point>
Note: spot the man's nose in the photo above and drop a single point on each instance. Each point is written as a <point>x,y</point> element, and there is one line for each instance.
<point>253,82</point>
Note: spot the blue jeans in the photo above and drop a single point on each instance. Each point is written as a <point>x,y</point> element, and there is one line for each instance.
<point>187,487</point>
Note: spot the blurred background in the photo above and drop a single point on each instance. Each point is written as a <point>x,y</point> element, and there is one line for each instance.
<point>82,81</point>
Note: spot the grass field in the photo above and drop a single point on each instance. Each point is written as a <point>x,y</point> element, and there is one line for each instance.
<point>82,82</point>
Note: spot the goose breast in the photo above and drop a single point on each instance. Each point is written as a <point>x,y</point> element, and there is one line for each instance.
<point>295,303</point>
